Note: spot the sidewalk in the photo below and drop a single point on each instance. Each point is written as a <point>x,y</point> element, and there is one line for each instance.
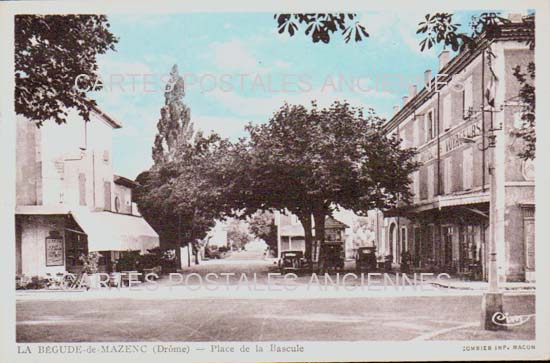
<point>458,283</point>
<point>278,289</point>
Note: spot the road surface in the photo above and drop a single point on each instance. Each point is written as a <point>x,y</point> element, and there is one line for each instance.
<point>242,315</point>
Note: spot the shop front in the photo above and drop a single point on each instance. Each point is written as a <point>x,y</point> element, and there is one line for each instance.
<point>52,240</point>
<point>442,238</point>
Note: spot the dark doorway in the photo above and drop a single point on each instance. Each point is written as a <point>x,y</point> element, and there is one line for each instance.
<point>76,245</point>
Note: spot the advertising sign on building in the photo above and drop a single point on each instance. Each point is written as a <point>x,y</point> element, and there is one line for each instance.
<point>54,251</point>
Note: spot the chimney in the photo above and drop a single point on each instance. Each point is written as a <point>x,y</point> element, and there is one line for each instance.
<point>427,77</point>
<point>515,18</point>
<point>444,59</point>
<point>395,109</point>
<point>405,99</point>
<point>412,91</point>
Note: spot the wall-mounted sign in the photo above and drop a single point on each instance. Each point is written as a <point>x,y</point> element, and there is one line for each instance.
<point>457,139</point>
<point>428,154</point>
<point>450,142</point>
<point>54,251</point>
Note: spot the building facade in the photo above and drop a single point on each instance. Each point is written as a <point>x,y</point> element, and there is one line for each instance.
<point>343,226</point>
<point>471,182</point>
<point>68,201</point>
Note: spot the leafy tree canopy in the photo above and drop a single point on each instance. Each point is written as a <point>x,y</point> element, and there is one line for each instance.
<point>174,126</point>
<point>440,28</point>
<point>184,197</point>
<point>320,27</point>
<point>262,226</point>
<point>238,234</point>
<point>51,51</point>
<point>527,96</point>
<point>309,161</point>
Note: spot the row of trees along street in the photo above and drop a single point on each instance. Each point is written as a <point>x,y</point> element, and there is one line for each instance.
<point>305,159</point>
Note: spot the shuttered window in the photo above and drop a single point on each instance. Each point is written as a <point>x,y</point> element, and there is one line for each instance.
<point>430,125</point>
<point>416,187</point>
<point>467,168</point>
<point>430,181</point>
<point>447,113</point>
<point>468,95</point>
<point>448,175</point>
<point>416,135</point>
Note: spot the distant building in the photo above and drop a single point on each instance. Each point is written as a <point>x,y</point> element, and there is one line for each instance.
<point>291,236</point>
<point>68,201</point>
<point>447,225</point>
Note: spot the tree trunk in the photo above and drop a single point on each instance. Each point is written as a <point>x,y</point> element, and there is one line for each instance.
<point>319,218</point>
<point>305,219</point>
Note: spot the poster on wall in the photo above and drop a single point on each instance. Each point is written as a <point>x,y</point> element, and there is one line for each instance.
<point>54,251</point>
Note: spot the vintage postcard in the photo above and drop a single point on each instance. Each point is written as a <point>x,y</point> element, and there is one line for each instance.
<point>274,182</point>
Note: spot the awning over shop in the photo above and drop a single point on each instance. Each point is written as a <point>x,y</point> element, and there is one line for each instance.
<point>115,232</point>
<point>473,198</point>
<point>439,203</point>
<point>39,210</point>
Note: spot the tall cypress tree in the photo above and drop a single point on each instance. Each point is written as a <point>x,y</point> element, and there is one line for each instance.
<point>174,126</point>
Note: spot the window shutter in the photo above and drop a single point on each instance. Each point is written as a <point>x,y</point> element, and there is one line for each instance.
<point>416,185</point>
<point>467,168</point>
<point>447,112</point>
<point>468,95</point>
<point>417,133</point>
<point>430,181</point>
<point>448,175</point>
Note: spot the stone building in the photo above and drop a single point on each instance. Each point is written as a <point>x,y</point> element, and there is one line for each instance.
<point>462,125</point>
<point>68,200</point>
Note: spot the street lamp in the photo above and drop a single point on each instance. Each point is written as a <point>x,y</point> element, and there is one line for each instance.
<point>491,305</point>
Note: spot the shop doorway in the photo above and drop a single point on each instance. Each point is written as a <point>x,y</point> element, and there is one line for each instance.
<point>448,247</point>
<point>76,245</point>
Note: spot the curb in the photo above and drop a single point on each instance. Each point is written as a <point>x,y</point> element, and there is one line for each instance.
<point>469,288</point>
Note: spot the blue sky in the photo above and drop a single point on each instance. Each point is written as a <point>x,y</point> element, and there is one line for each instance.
<point>207,46</point>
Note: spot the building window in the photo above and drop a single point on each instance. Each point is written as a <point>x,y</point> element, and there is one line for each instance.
<point>430,125</point>
<point>468,96</point>
<point>467,168</point>
<point>416,136</point>
<point>106,156</point>
<point>448,182</point>
<point>447,112</point>
<point>76,246</point>
<point>416,187</point>
<point>423,184</point>
<point>430,181</point>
